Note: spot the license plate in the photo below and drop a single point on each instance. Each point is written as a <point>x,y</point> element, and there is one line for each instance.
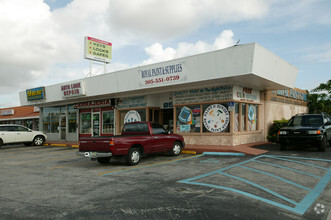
<point>90,154</point>
<point>93,154</point>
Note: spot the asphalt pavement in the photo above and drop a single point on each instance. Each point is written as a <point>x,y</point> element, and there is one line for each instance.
<point>51,182</point>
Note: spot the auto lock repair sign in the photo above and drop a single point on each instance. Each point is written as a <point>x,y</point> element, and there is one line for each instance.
<point>97,50</point>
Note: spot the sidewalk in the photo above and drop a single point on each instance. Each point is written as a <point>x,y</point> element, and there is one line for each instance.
<point>192,149</point>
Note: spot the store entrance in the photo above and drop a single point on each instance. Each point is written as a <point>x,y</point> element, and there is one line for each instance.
<point>168,119</point>
<point>96,124</point>
<point>63,126</point>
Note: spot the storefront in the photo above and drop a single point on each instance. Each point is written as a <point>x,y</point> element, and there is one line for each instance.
<point>215,98</point>
<point>25,115</point>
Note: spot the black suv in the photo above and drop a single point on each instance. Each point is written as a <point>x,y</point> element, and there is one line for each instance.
<point>306,129</point>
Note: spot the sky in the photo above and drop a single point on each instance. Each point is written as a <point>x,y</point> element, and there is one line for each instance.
<point>42,41</point>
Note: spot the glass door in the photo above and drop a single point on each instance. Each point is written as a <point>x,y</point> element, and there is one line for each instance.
<point>96,124</point>
<point>63,126</point>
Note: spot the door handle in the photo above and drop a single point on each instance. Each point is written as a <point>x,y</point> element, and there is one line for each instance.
<point>156,137</point>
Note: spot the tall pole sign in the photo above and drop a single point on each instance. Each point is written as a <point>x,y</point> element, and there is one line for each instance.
<point>97,50</point>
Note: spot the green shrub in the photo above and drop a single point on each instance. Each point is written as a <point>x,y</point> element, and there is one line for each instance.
<point>274,128</point>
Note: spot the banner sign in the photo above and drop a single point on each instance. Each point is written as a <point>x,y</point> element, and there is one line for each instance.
<point>246,94</point>
<point>73,89</point>
<point>35,94</point>
<point>132,102</point>
<point>93,104</point>
<point>220,93</point>
<point>97,50</point>
<point>7,112</point>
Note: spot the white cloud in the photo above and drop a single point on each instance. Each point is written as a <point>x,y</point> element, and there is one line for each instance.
<point>156,52</point>
<point>38,44</point>
<point>171,18</point>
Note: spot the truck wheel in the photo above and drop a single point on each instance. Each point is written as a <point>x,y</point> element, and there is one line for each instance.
<point>39,140</point>
<point>134,156</point>
<point>1,142</point>
<point>322,145</point>
<point>176,149</point>
<point>103,160</point>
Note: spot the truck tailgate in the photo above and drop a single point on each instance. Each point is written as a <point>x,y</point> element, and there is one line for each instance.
<point>95,144</point>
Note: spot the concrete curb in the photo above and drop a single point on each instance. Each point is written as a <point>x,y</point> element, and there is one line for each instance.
<point>223,154</point>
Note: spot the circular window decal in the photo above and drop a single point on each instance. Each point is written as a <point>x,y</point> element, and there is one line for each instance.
<point>132,116</point>
<point>216,118</point>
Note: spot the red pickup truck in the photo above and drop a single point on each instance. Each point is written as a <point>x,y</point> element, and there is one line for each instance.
<point>137,138</point>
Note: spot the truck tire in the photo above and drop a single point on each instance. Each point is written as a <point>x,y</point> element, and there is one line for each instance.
<point>322,145</point>
<point>103,160</point>
<point>1,142</point>
<point>176,149</point>
<point>133,156</point>
<point>38,140</point>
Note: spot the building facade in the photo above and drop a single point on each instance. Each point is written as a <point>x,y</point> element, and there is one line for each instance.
<point>24,115</point>
<point>224,97</point>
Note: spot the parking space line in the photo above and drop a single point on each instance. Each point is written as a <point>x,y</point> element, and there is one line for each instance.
<point>277,177</point>
<point>148,165</point>
<point>300,207</point>
<point>287,168</point>
<point>71,165</point>
<point>308,164</point>
<point>260,187</point>
<point>37,161</point>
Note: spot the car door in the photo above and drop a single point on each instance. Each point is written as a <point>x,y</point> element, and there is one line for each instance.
<point>8,134</point>
<point>161,141</point>
<point>24,134</point>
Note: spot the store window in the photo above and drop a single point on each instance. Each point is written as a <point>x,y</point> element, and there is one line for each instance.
<point>29,123</point>
<point>51,119</point>
<point>85,123</point>
<point>189,119</point>
<point>252,117</point>
<point>132,115</point>
<point>108,122</point>
<point>236,117</point>
<point>72,120</point>
<point>243,117</point>
<point>216,118</point>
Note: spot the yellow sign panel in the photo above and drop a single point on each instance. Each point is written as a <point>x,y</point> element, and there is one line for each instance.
<point>98,50</point>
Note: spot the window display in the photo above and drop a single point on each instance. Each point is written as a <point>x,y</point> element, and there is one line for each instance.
<point>189,119</point>
<point>85,123</point>
<point>108,122</point>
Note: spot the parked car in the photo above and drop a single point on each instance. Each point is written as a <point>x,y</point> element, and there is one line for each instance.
<point>306,129</point>
<point>137,138</point>
<point>11,134</point>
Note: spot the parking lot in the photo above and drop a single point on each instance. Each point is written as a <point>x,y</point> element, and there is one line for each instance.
<point>52,182</point>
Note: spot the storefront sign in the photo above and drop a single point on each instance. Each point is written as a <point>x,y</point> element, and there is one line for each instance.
<point>212,94</point>
<point>162,75</point>
<point>93,104</point>
<point>246,94</point>
<point>216,118</point>
<point>35,94</point>
<point>132,116</point>
<point>132,102</point>
<point>7,112</point>
<point>98,50</point>
<point>73,89</point>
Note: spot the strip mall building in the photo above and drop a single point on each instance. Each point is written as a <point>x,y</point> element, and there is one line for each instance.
<point>225,97</point>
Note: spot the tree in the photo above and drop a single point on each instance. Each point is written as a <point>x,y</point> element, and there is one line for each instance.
<point>319,100</point>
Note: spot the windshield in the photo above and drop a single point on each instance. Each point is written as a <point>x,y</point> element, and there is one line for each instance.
<point>306,120</point>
